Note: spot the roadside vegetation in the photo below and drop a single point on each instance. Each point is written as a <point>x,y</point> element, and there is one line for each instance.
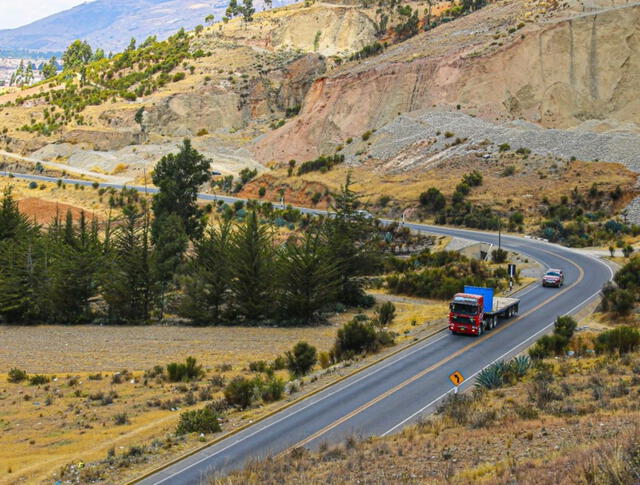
<point>567,419</point>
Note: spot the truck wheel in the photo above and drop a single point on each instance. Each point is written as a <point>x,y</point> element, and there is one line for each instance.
<point>495,321</point>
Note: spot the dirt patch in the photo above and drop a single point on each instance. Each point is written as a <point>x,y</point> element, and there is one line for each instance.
<point>44,211</point>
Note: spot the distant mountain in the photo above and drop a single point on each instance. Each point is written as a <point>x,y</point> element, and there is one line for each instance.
<point>110,24</point>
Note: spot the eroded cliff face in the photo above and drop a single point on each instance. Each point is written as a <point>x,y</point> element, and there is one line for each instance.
<point>558,73</point>
<point>223,107</point>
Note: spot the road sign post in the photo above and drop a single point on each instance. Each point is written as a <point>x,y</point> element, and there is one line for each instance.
<point>456,378</point>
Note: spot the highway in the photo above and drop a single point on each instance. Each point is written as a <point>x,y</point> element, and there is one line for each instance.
<point>398,391</point>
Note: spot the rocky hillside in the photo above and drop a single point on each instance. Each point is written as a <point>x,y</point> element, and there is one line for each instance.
<point>558,68</point>
<point>402,93</point>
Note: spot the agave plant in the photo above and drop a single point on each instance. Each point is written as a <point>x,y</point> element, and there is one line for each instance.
<point>491,377</point>
<point>520,365</point>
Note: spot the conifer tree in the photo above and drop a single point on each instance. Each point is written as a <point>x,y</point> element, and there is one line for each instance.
<point>171,245</point>
<point>307,278</point>
<point>206,284</point>
<point>127,284</point>
<point>252,265</point>
<point>352,243</point>
<point>178,176</point>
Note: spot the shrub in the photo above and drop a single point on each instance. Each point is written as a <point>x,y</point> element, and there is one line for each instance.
<point>121,419</point>
<point>301,359</point>
<point>508,171</point>
<point>272,389</point>
<point>258,366</point>
<point>432,200</point>
<point>38,379</point>
<point>179,76</point>
<point>33,185</point>
<point>202,132</point>
<point>621,340</point>
<point>188,371</point>
<point>505,147</point>
<point>366,135</point>
<point>240,392</point>
<point>324,359</point>
<point>203,420</point>
<point>499,256</point>
<point>355,337</point>
<point>386,313</point>
<point>16,375</point>
<point>473,179</point>
<point>565,326</point>
<point>262,191</point>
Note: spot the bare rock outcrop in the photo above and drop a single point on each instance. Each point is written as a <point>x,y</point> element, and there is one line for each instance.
<point>557,74</point>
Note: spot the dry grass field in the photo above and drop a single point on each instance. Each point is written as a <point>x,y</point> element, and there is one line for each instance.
<point>99,402</point>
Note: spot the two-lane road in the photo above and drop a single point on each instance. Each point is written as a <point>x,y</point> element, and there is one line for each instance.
<point>397,391</point>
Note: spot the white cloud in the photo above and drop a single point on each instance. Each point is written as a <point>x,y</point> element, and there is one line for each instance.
<point>17,13</point>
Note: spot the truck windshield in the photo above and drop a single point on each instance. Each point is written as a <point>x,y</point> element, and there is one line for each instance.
<point>464,309</point>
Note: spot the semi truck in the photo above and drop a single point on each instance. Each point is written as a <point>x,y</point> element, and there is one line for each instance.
<point>478,310</point>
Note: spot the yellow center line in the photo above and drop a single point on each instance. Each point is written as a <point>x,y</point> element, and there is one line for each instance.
<point>435,366</point>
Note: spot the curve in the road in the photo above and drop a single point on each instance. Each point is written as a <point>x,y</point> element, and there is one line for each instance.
<point>397,391</point>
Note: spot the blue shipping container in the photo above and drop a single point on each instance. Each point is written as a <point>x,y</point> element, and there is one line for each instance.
<point>486,293</point>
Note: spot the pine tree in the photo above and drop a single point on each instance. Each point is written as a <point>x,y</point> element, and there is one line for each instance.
<point>127,284</point>
<point>206,284</point>
<point>171,245</point>
<point>178,176</point>
<point>352,243</point>
<point>307,279</point>
<point>252,265</point>
<point>75,259</point>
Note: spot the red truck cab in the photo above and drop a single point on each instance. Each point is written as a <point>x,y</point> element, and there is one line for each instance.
<point>466,314</point>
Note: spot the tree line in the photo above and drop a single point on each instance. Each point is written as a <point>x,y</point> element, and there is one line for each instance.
<point>163,256</point>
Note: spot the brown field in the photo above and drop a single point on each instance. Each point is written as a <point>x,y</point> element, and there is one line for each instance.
<point>70,419</point>
<point>43,202</point>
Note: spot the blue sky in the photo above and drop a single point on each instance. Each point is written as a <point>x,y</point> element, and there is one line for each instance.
<point>17,13</point>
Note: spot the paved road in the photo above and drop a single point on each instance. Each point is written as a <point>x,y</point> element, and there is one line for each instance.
<point>386,397</point>
<point>67,168</point>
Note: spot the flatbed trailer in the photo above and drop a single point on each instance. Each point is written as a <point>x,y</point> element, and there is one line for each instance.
<point>477,310</point>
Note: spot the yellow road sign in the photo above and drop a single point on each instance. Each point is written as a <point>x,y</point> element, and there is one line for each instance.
<point>457,378</point>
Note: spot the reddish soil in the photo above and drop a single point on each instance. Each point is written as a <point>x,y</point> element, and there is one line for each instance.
<point>44,211</point>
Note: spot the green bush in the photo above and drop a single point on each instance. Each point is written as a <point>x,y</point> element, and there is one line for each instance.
<point>499,256</point>
<point>565,326</point>
<point>16,375</point>
<point>301,359</point>
<point>432,200</point>
<point>355,337</point>
<point>508,171</point>
<point>203,420</point>
<point>240,392</point>
<point>189,371</point>
<point>38,379</point>
<point>179,76</point>
<point>621,340</point>
<point>272,389</point>
<point>386,313</point>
